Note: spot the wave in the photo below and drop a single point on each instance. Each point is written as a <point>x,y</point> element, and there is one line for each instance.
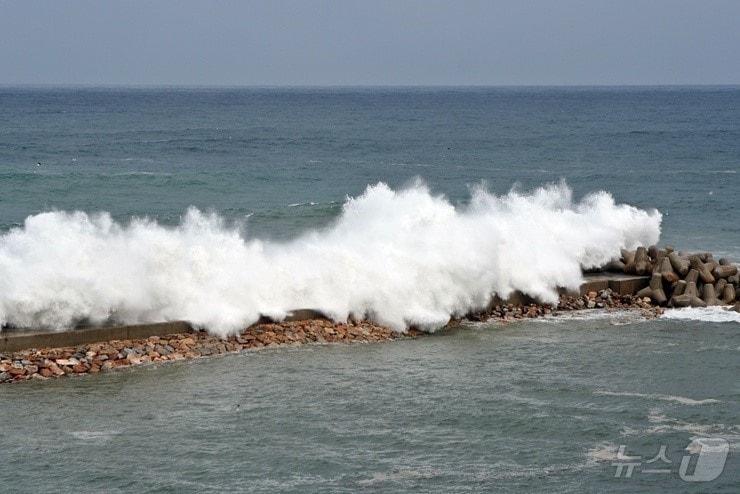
<point>676,399</point>
<point>400,257</point>
<point>619,317</point>
<point>706,314</point>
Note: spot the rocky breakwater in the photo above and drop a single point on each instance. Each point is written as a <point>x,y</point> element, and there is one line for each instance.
<point>679,279</point>
<point>676,279</point>
<point>92,358</point>
<point>603,299</point>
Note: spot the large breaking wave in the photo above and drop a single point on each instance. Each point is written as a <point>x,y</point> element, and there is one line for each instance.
<point>401,257</point>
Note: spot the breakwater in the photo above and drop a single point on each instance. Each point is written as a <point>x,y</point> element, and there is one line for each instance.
<point>645,280</point>
<point>680,279</point>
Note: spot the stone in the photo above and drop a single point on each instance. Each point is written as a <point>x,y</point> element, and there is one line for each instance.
<point>56,370</point>
<point>68,362</point>
<point>79,368</point>
<point>17,370</point>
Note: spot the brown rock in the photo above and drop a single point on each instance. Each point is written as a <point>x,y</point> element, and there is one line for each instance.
<point>55,369</point>
<point>79,368</point>
<point>16,371</point>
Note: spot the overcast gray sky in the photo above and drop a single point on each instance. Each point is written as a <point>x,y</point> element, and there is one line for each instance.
<point>507,42</point>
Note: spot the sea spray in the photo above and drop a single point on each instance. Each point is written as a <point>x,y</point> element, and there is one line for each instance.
<point>400,257</point>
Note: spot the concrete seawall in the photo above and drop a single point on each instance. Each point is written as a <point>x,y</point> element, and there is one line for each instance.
<point>11,341</point>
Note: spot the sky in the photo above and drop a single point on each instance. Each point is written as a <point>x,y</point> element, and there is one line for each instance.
<point>398,42</point>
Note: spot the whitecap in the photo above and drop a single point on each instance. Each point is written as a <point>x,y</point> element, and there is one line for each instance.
<point>706,314</point>
<point>676,399</point>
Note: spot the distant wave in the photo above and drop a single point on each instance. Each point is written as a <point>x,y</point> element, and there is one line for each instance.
<point>401,257</point>
<point>677,399</point>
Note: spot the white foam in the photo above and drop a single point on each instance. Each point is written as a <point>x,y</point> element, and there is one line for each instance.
<point>619,317</point>
<point>706,314</point>
<point>405,257</point>
<point>601,453</point>
<point>677,399</point>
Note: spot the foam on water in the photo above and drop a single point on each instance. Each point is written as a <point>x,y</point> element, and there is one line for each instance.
<point>677,399</point>
<point>707,314</point>
<point>405,257</point>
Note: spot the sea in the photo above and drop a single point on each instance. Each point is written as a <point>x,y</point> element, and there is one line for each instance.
<point>408,205</point>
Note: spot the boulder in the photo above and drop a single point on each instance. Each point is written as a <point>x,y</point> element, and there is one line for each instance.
<point>723,261</point>
<point>736,308</point>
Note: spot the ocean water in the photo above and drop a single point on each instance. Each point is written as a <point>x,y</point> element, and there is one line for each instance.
<point>435,234</point>
<point>530,407</point>
<point>217,205</point>
<point>288,158</point>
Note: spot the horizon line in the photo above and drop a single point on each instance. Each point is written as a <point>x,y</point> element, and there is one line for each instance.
<point>353,86</point>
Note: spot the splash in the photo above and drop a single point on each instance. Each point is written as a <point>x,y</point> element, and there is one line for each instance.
<point>706,314</point>
<point>400,257</point>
